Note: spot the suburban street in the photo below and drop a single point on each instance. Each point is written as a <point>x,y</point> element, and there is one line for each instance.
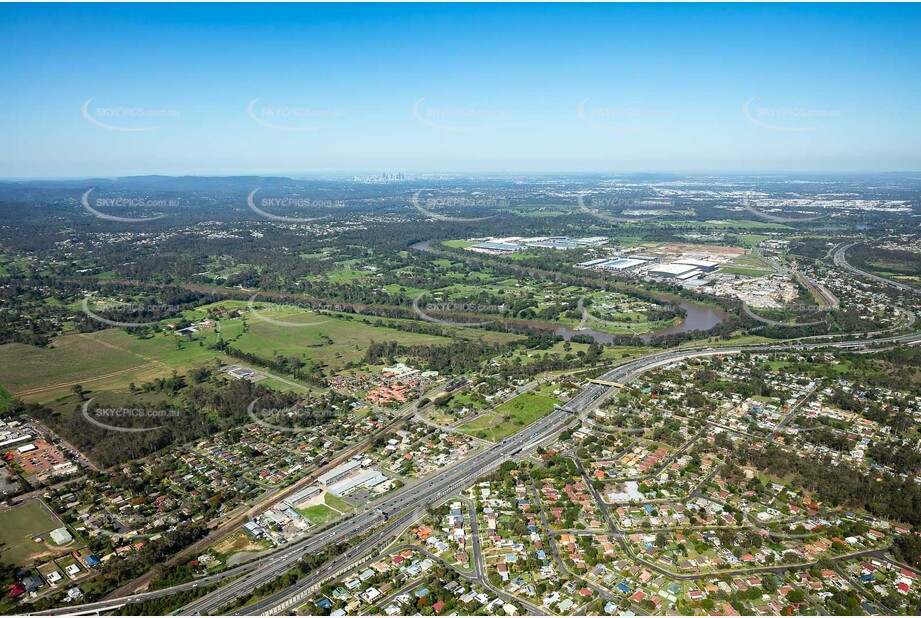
<point>445,483</point>
<point>407,505</point>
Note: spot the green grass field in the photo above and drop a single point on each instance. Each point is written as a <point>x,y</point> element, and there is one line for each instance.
<point>6,399</point>
<point>728,343</point>
<point>745,272</point>
<point>520,412</point>
<point>319,514</point>
<point>103,360</point>
<point>410,291</point>
<point>611,354</point>
<point>628,316</point>
<point>613,327</point>
<point>459,244</point>
<point>752,240</point>
<point>18,526</point>
<point>467,400</point>
<point>345,327</point>
<point>278,385</point>
<point>337,503</point>
<point>345,274</point>
<point>746,225</point>
<point>109,360</point>
<point>332,340</point>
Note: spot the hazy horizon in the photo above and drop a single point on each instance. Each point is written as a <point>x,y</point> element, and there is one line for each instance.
<point>473,174</point>
<point>123,90</point>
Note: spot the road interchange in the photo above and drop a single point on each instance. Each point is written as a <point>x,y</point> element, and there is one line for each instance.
<point>399,510</point>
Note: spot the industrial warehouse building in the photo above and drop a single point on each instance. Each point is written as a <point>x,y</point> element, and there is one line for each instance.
<point>621,264</point>
<point>368,479</point>
<point>612,264</point>
<point>503,247</point>
<point>339,472</point>
<point>705,265</point>
<point>671,271</point>
<point>302,496</point>
<point>517,243</point>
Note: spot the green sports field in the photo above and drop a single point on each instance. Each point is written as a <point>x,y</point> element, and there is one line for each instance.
<point>319,514</point>
<point>18,527</point>
<point>745,272</point>
<point>520,412</point>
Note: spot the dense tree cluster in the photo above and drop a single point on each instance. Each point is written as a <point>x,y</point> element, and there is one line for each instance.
<point>192,411</point>
<point>907,548</point>
<point>885,496</point>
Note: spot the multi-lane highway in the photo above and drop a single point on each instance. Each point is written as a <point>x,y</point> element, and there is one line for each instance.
<point>398,511</point>
<point>97,607</point>
<point>443,484</point>
<point>393,513</point>
<point>841,262</point>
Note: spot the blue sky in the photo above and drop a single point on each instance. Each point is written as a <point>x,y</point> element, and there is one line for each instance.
<point>298,89</point>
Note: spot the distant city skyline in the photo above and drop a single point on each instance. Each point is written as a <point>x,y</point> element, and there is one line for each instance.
<point>119,90</point>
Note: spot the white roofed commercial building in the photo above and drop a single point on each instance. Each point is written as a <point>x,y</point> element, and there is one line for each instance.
<point>592,262</point>
<point>368,479</point>
<point>10,434</point>
<point>704,265</point>
<point>302,495</point>
<point>670,271</point>
<point>339,472</point>
<point>621,264</point>
<point>491,245</point>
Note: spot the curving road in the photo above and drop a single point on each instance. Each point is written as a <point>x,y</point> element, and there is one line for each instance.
<point>404,507</point>
<point>841,262</point>
<point>443,484</point>
<point>409,504</point>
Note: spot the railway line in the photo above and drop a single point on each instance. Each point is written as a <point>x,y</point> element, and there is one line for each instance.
<point>397,511</point>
